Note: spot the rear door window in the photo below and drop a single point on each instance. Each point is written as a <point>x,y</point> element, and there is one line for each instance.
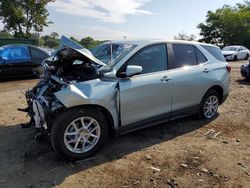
<point>184,55</point>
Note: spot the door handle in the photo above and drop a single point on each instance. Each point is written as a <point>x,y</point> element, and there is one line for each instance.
<point>206,71</point>
<point>165,79</point>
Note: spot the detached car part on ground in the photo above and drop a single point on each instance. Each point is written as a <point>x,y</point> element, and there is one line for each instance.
<point>80,101</point>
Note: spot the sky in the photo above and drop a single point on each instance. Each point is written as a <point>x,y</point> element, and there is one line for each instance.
<point>130,19</point>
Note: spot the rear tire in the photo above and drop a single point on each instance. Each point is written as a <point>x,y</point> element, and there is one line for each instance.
<point>209,105</point>
<point>79,133</point>
<point>247,57</point>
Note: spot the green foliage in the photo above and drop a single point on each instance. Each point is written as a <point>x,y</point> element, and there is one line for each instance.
<point>74,39</point>
<point>184,36</point>
<point>22,17</point>
<point>50,42</point>
<point>5,35</point>
<point>54,35</point>
<point>227,26</point>
<point>89,42</point>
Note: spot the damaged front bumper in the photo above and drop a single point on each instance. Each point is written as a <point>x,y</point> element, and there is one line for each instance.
<point>41,109</point>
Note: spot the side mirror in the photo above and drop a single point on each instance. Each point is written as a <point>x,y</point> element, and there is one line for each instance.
<point>132,70</point>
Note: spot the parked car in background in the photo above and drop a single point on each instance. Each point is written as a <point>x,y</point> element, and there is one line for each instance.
<point>236,53</point>
<point>20,60</point>
<point>245,70</point>
<point>81,100</point>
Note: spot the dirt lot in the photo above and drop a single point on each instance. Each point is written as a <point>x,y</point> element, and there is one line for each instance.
<point>181,152</point>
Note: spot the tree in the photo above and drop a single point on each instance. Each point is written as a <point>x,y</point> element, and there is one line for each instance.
<point>184,36</point>
<point>54,35</point>
<point>50,41</point>
<point>89,42</point>
<point>74,39</point>
<point>227,25</point>
<point>24,16</point>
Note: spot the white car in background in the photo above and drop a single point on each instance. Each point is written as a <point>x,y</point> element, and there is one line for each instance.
<point>235,53</point>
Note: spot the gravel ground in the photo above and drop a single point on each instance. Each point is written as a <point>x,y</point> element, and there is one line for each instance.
<point>182,153</point>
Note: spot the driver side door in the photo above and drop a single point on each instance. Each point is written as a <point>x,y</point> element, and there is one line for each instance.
<point>147,96</point>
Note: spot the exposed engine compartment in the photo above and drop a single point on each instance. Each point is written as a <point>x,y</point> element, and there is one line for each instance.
<point>70,65</point>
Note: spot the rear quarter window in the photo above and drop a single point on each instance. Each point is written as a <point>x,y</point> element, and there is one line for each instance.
<point>37,54</point>
<point>215,51</point>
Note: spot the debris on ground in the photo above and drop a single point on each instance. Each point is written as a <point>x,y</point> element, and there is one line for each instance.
<point>184,165</point>
<point>205,170</point>
<point>155,169</point>
<point>172,183</point>
<point>211,133</point>
<point>247,173</point>
<point>240,164</point>
<point>148,157</point>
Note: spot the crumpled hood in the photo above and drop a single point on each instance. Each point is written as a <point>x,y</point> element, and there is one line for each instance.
<point>228,52</point>
<point>90,56</point>
<point>68,43</point>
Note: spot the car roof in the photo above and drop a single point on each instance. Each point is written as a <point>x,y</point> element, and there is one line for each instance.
<point>155,41</point>
<point>237,46</point>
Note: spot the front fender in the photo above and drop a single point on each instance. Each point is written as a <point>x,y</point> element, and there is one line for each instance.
<point>95,92</point>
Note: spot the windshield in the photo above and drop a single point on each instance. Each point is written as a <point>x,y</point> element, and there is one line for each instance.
<point>102,52</point>
<point>230,48</point>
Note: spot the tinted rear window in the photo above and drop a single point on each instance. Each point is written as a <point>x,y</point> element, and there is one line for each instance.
<point>184,55</point>
<point>216,52</point>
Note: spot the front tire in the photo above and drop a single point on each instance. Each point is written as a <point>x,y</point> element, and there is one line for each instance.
<point>79,133</point>
<point>235,58</point>
<point>209,105</point>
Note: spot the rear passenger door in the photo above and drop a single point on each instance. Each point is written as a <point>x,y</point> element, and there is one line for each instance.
<point>188,77</point>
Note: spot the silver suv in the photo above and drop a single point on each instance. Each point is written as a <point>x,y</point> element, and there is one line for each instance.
<point>83,97</point>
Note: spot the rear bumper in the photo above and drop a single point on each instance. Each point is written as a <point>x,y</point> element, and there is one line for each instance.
<point>245,72</point>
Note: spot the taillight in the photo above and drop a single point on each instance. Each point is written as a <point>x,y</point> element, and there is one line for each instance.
<point>229,68</point>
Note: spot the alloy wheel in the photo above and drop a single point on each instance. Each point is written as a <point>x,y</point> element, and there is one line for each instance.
<point>82,135</point>
<point>211,106</point>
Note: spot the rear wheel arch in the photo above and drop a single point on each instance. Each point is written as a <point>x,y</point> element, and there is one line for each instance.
<point>219,90</point>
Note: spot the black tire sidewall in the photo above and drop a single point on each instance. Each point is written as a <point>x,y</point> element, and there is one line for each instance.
<point>61,123</point>
<point>210,93</point>
<point>235,58</point>
<point>247,57</point>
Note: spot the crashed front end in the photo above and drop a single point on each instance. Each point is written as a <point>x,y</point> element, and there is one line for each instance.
<point>66,68</point>
<point>43,106</point>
